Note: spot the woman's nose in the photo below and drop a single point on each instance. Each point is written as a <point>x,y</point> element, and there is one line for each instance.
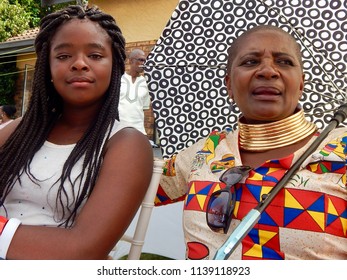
<point>267,70</point>
<point>79,64</point>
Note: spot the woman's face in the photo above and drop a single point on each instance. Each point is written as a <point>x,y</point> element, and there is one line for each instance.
<point>266,79</point>
<point>81,62</point>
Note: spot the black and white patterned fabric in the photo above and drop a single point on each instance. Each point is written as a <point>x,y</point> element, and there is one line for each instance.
<point>185,70</point>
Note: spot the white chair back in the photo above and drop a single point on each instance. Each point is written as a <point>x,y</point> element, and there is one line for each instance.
<point>137,240</point>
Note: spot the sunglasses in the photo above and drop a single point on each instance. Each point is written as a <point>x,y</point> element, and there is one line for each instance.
<point>221,204</point>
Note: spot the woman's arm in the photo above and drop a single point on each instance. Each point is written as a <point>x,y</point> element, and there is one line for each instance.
<point>124,177</point>
<point>8,130</point>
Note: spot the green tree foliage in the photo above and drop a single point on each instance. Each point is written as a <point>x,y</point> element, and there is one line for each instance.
<point>13,20</point>
<point>8,77</point>
<point>17,16</point>
<point>33,9</point>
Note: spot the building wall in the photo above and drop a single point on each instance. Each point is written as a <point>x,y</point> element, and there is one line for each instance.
<point>139,20</point>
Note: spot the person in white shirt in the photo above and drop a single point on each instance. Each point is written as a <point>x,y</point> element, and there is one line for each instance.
<point>134,94</point>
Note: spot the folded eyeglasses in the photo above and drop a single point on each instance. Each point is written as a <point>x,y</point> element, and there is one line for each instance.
<point>221,204</point>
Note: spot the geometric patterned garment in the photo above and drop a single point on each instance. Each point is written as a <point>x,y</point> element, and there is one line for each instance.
<point>306,220</point>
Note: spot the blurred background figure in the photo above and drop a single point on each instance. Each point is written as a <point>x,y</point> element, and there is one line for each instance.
<point>134,95</point>
<point>7,114</point>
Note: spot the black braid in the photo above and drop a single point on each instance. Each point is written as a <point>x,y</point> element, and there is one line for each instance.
<point>46,106</point>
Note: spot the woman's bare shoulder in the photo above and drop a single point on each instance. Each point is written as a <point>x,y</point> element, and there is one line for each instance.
<point>8,130</point>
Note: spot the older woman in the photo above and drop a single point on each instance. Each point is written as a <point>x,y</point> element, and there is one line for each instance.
<point>307,218</point>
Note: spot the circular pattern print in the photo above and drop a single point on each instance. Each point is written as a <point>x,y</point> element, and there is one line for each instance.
<point>185,70</point>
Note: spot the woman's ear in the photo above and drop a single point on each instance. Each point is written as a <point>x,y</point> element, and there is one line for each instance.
<point>302,84</point>
<point>228,86</point>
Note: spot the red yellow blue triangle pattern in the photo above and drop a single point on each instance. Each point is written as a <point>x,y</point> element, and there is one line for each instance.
<point>294,207</point>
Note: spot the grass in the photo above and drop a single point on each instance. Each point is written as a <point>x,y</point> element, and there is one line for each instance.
<point>147,256</point>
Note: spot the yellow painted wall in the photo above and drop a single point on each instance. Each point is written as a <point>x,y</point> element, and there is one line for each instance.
<point>139,20</point>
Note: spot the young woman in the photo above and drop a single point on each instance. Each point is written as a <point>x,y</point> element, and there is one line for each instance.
<point>72,176</point>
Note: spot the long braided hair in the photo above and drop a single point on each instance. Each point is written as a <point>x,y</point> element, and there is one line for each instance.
<point>46,106</point>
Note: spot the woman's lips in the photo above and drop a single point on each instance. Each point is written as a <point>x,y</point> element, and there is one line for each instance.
<point>266,93</point>
<point>79,80</point>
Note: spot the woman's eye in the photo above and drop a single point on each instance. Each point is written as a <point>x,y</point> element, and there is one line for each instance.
<point>95,56</point>
<point>62,56</point>
<point>249,62</point>
<point>285,62</point>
